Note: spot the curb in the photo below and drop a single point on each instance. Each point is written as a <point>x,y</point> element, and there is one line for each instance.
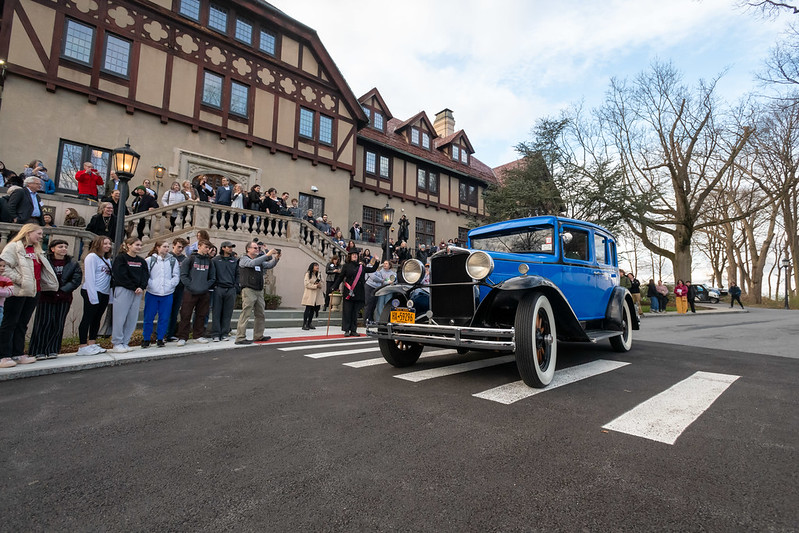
<point>75,363</point>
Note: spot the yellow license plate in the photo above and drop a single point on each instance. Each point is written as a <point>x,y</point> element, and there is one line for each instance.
<point>403,316</point>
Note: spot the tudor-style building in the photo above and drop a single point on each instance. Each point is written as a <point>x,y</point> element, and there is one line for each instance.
<point>426,165</point>
<point>219,88</point>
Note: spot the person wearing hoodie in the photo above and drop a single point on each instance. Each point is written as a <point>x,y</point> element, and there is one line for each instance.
<point>178,245</point>
<point>227,286</point>
<point>164,277</point>
<point>198,276</point>
<point>130,277</point>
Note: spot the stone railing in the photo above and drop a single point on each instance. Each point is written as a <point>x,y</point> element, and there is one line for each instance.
<point>236,224</point>
<point>77,238</point>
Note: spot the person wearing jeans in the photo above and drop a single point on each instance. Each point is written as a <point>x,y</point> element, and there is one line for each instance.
<point>164,277</point>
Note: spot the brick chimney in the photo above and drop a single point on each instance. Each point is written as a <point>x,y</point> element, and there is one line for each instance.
<point>445,123</point>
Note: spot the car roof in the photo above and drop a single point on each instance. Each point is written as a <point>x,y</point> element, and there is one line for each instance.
<point>531,221</point>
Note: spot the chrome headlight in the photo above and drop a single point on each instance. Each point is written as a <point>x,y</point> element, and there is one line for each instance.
<point>479,265</point>
<point>412,271</point>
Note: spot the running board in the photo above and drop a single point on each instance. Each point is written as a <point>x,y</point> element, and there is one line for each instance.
<point>596,335</point>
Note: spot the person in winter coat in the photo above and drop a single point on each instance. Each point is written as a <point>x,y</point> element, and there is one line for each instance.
<point>254,197</point>
<point>403,233</point>
<point>173,196</point>
<point>198,276</point>
<point>164,270</point>
<point>227,286</point>
<point>88,180</point>
<point>353,275</point>
<point>6,291</point>
<point>142,203</point>
<point>635,292</point>
<point>382,277</point>
<point>663,295</point>
<point>30,271</point>
<point>51,313</point>
<point>313,296</point>
<point>735,294</point>
<point>131,277</point>
<point>691,296</point>
<point>681,293</point>
<point>333,269</point>
<point>204,191</point>
<point>96,292</point>
<point>104,222</point>
<point>654,297</point>
<point>72,219</point>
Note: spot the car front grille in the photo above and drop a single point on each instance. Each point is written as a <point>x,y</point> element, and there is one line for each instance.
<point>451,304</point>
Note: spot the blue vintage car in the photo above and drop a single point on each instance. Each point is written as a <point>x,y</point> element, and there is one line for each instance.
<point>519,286</point>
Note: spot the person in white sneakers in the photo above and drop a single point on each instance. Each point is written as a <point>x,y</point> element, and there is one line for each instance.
<point>198,275</point>
<point>30,272</point>
<point>96,292</point>
<point>164,277</point>
<point>130,280</point>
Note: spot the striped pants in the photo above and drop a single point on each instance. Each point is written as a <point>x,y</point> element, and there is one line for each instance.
<point>48,328</point>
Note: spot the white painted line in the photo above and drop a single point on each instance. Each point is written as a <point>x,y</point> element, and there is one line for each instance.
<point>321,355</point>
<point>664,417</point>
<point>330,345</point>
<point>518,390</point>
<point>381,361</point>
<point>422,375</point>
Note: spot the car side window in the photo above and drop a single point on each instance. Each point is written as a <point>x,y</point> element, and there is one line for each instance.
<point>575,244</point>
<point>612,253</point>
<point>600,243</point>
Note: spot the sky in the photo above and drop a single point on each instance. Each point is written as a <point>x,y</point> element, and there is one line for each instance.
<point>502,65</point>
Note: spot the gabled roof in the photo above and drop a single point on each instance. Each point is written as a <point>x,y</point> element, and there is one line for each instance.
<point>449,139</point>
<point>501,170</point>
<point>420,116</point>
<point>374,93</point>
<point>311,38</point>
<point>398,142</point>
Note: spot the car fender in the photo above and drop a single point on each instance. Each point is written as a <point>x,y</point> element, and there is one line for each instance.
<point>613,313</point>
<point>498,308</point>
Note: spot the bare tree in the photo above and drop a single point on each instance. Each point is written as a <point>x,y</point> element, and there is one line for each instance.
<point>675,148</point>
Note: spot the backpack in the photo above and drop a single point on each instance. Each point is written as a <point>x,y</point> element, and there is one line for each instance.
<point>153,258</point>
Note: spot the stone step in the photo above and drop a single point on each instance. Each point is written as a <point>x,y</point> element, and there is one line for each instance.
<point>282,318</point>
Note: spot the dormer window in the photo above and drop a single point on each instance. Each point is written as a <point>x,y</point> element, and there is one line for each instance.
<point>377,121</point>
<point>455,152</point>
<point>464,157</point>
<point>415,136</point>
<point>425,140</point>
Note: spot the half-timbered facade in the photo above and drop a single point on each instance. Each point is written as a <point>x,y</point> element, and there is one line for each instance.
<point>214,87</point>
<point>425,169</point>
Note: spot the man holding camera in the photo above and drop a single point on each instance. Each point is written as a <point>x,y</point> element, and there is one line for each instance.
<point>88,180</point>
<point>251,278</point>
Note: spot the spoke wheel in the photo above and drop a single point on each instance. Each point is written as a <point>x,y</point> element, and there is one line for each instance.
<point>536,340</point>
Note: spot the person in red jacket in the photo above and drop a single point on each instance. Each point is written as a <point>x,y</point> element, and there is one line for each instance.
<point>88,180</point>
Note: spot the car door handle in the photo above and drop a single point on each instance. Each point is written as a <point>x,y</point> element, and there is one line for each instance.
<point>599,272</point>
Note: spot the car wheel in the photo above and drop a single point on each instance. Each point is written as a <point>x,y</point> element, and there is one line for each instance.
<point>536,340</point>
<point>623,342</point>
<point>714,300</point>
<point>398,353</point>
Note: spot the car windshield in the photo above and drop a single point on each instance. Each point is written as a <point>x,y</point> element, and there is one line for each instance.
<point>536,239</point>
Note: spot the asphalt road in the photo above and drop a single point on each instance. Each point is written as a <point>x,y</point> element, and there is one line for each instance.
<point>266,439</point>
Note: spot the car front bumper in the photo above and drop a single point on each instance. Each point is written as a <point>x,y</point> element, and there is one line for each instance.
<point>448,336</point>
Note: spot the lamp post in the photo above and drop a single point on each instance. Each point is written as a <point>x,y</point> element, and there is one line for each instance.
<point>125,161</point>
<point>786,264</point>
<point>387,214</point>
<point>160,170</point>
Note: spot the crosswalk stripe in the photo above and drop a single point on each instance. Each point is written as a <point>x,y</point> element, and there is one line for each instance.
<point>422,375</point>
<point>380,360</point>
<point>664,417</point>
<point>317,346</point>
<point>321,355</point>
<point>518,390</point>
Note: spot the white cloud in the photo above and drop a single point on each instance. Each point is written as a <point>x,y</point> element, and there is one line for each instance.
<point>502,65</point>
